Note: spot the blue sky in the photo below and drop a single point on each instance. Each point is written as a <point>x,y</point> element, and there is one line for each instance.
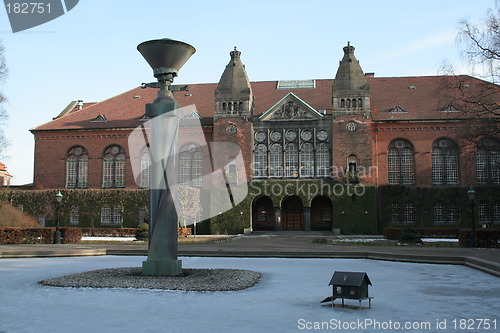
<point>90,52</point>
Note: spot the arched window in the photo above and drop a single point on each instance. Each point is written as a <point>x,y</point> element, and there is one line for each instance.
<point>145,163</point>
<point>322,160</point>
<point>77,162</point>
<point>488,161</point>
<point>240,106</point>
<point>191,165</point>
<point>291,160</point>
<point>224,106</point>
<point>114,167</point>
<point>444,162</point>
<point>342,103</point>
<point>306,160</point>
<point>360,102</point>
<point>348,103</point>
<point>260,160</point>
<point>354,103</point>
<point>401,162</point>
<point>276,160</point>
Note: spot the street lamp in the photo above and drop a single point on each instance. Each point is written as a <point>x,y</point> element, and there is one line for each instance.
<point>57,235</point>
<point>472,194</point>
<point>166,57</point>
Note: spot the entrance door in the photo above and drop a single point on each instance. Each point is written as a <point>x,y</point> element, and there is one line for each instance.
<point>293,214</point>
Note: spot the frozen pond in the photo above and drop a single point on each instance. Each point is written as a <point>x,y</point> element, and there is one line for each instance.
<point>427,298</point>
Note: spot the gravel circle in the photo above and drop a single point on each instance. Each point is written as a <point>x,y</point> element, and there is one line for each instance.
<point>204,279</point>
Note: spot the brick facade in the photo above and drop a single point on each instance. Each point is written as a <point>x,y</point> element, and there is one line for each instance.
<point>361,114</point>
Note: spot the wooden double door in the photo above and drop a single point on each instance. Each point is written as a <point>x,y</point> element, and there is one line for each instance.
<point>292,214</point>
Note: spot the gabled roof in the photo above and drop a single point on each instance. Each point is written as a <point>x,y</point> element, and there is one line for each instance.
<point>422,97</point>
<point>352,279</point>
<point>305,109</point>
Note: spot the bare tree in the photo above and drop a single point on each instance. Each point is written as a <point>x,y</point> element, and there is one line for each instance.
<point>476,100</point>
<point>481,44</point>
<point>3,114</point>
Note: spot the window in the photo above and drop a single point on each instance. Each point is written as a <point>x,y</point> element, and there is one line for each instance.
<point>439,213</point>
<point>306,160</point>
<point>409,213</point>
<point>291,160</point>
<point>352,167</point>
<point>322,160</point>
<point>111,215</point>
<point>396,213</point>
<point>77,168</point>
<point>291,153</point>
<point>401,162</point>
<point>446,214</point>
<point>488,161</point>
<point>496,213</point>
<point>276,160</point>
<point>145,164</point>
<point>444,162</point>
<point>191,165</point>
<point>260,161</point>
<point>484,213</point>
<point>114,167</point>
<point>261,216</point>
<point>74,217</point>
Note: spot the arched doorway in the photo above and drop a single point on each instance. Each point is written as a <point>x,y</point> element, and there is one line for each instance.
<point>293,214</point>
<point>321,213</point>
<point>262,214</point>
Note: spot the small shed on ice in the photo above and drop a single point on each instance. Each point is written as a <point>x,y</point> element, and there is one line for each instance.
<point>349,285</point>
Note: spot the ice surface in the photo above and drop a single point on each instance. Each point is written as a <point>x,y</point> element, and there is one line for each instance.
<point>286,299</point>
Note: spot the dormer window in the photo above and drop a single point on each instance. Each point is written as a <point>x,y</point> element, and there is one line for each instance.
<point>449,108</point>
<point>397,109</point>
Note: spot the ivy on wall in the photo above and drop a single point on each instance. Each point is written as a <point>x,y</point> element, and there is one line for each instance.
<point>354,208</point>
<point>43,204</point>
<point>425,199</point>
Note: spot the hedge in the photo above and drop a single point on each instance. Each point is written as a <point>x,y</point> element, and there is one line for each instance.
<point>38,235</point>
<point>395,233</point>
<point>485,238</point>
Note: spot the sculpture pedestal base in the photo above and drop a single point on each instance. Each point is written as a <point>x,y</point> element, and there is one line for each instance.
<point>162,267</point>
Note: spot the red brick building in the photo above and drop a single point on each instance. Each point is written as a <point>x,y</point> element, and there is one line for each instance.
<point>372,148</point>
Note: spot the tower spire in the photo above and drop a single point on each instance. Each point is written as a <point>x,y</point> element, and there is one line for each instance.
<point>233,95</point>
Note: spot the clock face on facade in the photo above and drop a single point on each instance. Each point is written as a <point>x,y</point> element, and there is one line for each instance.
<point>231,129</point>
<point>306,135</point>
<point>275,136</point>
<point>260,136</point>
<point>291,135</point>
<point>351,126</point>
<point>322,135</point>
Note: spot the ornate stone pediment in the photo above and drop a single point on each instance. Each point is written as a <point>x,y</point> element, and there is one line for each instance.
<point>289,108</point>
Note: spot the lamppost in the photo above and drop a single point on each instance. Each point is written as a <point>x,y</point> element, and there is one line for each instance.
<point>57,235</point>
<point>166,57</point>
<point>472,194</point>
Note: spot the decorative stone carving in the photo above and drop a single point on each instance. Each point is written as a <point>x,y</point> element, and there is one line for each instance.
<point>291,110</point>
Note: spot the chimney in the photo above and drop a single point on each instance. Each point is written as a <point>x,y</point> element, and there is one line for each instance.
<point>369,75</point>
<point>79,105</point>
